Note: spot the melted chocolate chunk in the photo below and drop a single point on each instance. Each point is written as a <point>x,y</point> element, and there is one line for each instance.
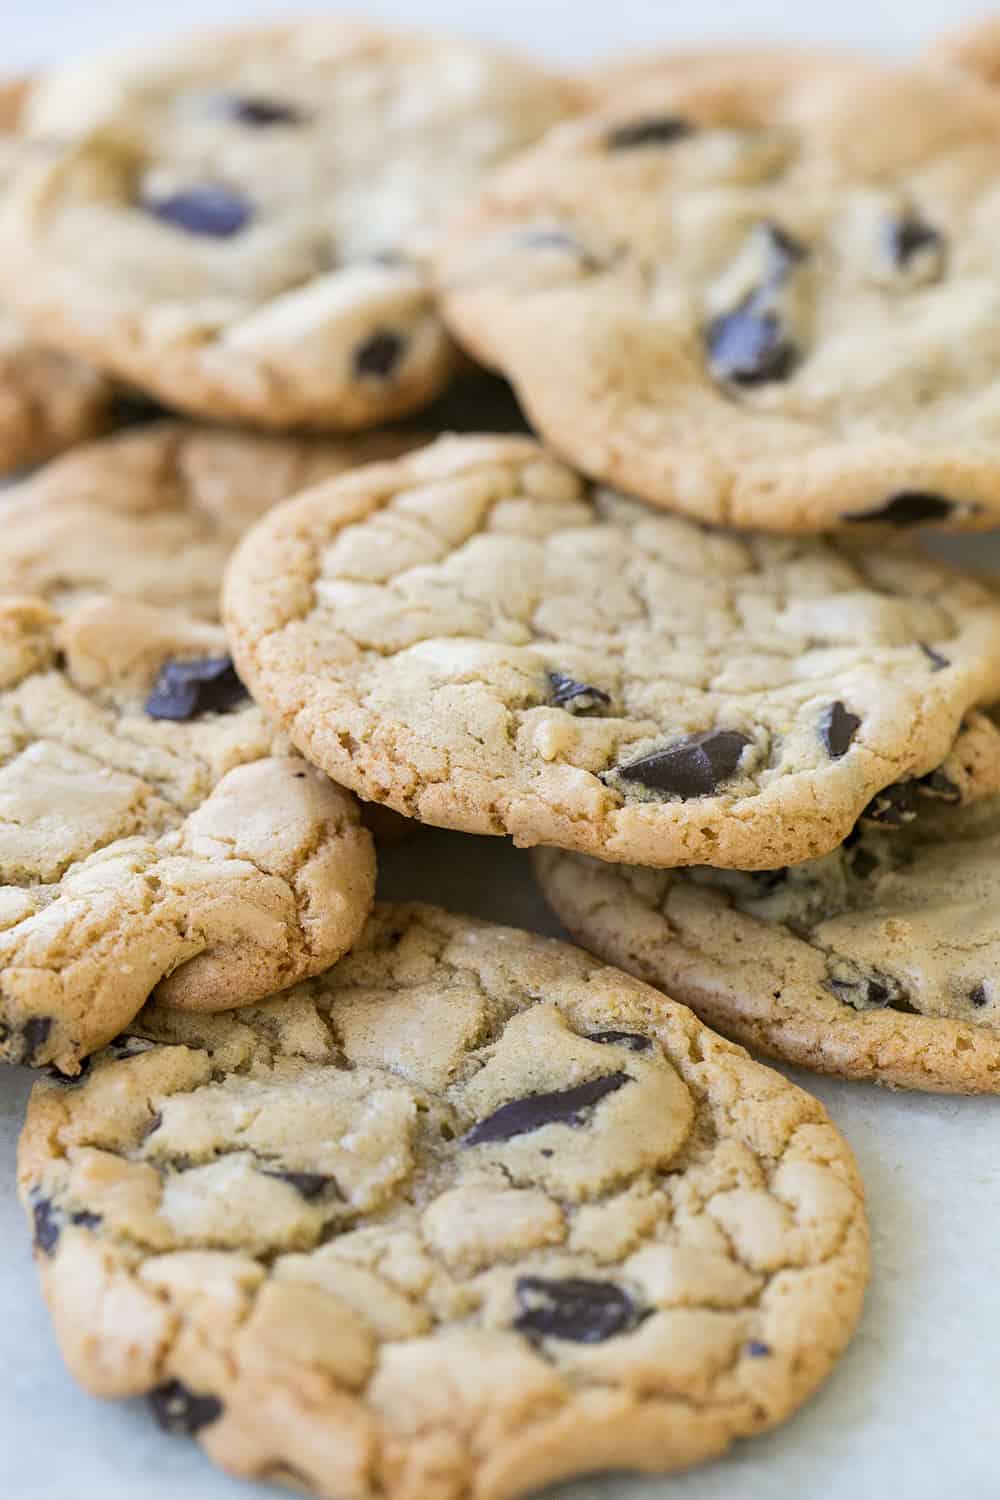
<point>575,1309</point>
<point>651,130</point>
<point>893,806</point>
<point>180,1410</point>
<point>563,1107</point>
<point>863,993</point>
<point>757,1350</point>
<point>210,210</point>
<point>750,345</point>
<point>978,996</point>
<point>310,1184</point>
<point>186,689</point>
<point>937,661</point>
<point>937,784</point>
<point>379,355</point>
<point>259,112</point>
<point>910,235</point>
<point>46,1226</point>
<point>907,508</point>
<point>35,1034</point>
<point>692,767</point>
<point>576,697</point>
<point>633,1040</point>
<point>837,729</point>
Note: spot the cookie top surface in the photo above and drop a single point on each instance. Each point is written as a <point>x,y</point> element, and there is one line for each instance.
<point>720,66</point>
<point>467,1214</point>
<point>878,961</point>
<point>155,832</point>
<point>48,400</point>
<point>240,221</point>
<point>152,514</point>
<point>476,637</point>
<point>974,48</point>
<point>776,306</point>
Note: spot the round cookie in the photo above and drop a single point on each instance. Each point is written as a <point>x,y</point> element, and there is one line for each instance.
<point>776,308</point>
<point>479,639</point>
<point>878,961</point>
<point>974,48</point>
<point>240,221</point>
<point>48,400</point>
<point>466,1215</point>
<point>155,832</point>
<point>152,514</point>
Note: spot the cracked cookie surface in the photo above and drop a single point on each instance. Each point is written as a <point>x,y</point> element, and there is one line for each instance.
<point>153,514</point>
<point>240,221</point>
<point>465,1215</point>
<point>156,834</point>
<point>878,961</point>
<point>776,306</point>
<point>479,639</point>
<point>48,400</point>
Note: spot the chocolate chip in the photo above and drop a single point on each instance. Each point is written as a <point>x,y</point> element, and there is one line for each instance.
<point>310,1184</point>
<point>46,1226</point>
<point>837,729</point>
<point>651,130</point>
<point>757,1350</point>
<point>576,697</point>
<point>862,993</point>
<point>692,767</point>
<point>978,996</point>
<point>630,1039</point>
<point>35,1034</point>
<point>562,1107</point>
<point>937,661</point>
<point>907,508</point>
<point>575,1309</point>
<point>180,1410</point>
<point>186,689</point>
<point>863,863</point>
<point>893,806</point>
<point>909,236</point>
<point>210,210</point>
<point>937,784</point>
<point>750,346</point>
<point>379,355</point>
<point>260,112</point>
<point>85,1220</point>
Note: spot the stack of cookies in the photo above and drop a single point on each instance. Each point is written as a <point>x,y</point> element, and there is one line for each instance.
<point>381,1201</point>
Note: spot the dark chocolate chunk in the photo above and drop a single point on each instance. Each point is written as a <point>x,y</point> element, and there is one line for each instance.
<point>650,130</point>
<point>937,661</point>
<point>563,1107</point>
<point>576,697</point>
<point>633,1040</point>
<point>978,996</point>
<point>894,805</point>
<point>784,250</point>
<point>209,209</point>
<point>35,1034</point>
<point>182,1411</point>
<point>906,508</point>
<point>379,355</point>
<point>309,1184</point>
<point>692,767</point>
<point>862,992</point>
<point>46,1226</point>
<point>909,235</point>
<point>837,729</point>
<point>575,1309</point>
<point>750,345</point>
<point>85,1220</point>
<point>186,689</point>
<point>757,1350</point>
<point>260,112</point>
<point>937,784</point>
<point>863,863</point>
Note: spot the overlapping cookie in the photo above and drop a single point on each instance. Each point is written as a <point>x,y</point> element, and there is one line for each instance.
<point>479,639</point>
<point>240,221</point>
<point>468,1214</point>
<point>152,514</point>
<point>770,307</point>
<point>879,961</point>
<point>155,833</point>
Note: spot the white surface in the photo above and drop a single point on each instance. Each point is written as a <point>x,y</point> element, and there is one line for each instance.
<point>912,1410</point>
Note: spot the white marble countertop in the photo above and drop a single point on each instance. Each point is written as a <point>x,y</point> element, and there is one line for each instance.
<point>913,1408</point>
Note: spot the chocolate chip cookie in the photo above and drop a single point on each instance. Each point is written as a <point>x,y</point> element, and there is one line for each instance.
<point>153,513</point>
<point>155,832</point>
<point>476,637</point>
<point>468,1214</point>
<point>771,307</point>
<point>241,221</point>
<point>878,961</point>
<point>48,400</point>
